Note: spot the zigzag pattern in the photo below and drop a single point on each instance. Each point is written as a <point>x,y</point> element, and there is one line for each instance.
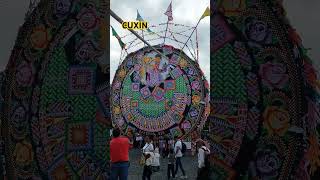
<point>84,107</point>
<point>227,76</point>
<point>58,109</point>
<point>55,82</point>
<point>101,140</point>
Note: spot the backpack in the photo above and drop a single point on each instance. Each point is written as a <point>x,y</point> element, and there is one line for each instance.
<point>184,148</point>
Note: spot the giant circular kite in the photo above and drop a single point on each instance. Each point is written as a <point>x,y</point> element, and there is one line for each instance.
<point>152,93</point>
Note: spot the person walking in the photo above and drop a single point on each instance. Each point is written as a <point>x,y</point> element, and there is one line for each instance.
<point>147,169</point>
<point>147,157</point>
<point>178,156</point>
<point>171,160</point>
<point>119,155</point>
<point>161,146</point>
<point>171,143</point>
<point>203,169</point>
<point>139,139</point>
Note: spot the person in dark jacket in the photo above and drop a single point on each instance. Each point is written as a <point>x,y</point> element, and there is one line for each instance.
<point>171,161</point>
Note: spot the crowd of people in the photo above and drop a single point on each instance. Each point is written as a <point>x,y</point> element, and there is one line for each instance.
<point>151,151</point>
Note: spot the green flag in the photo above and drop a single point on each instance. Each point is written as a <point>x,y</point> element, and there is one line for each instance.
<point>139,18</point>
<point>115,34</point>
<point>150,31</point>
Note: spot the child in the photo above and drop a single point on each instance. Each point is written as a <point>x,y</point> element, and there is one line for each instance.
<point>171,158</point>
<point>156,160</point>
<point>147,171</point>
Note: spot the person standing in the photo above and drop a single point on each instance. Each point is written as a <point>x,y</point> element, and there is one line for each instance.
<point>139,139</point>
<point>119,155</point>
<point>178,155</point>
<point>147,157</point>
<point>161,147</point>
<point>156,160</point>
<point>203,169</point>
<point>148,147</point>
<point>171,143</point>
<point>171,160</point>
<point>165,148</point>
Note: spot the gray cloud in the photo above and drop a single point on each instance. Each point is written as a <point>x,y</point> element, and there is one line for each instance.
<point>12,14</point>
<point>304,17</point>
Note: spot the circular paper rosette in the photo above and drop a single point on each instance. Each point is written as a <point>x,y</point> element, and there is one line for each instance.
<point>156,94</point>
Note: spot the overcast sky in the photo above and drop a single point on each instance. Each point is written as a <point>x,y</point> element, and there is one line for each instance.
<point>304,16</point>
<point>152,11</point>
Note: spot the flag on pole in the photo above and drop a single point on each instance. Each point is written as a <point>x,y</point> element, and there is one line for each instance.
<point>114,33</point>
<point>169,12</point>
<point>206,13</point>
<point>149,31</point>
<point>139,18</point>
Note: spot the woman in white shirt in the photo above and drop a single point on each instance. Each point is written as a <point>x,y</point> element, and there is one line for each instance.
<point>148,147</point>
<point>156,160</point>
<point>147,152</point>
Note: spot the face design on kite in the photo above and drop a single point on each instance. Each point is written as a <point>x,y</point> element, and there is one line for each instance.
<point>85,52</point>
<point>19,122</point>
<point>268,163</point>
<point>61,8</point>
<point>158,93</point>
<point>257,31</point>
<point>24,75</point>
<point>274,75</point>
<point>87,19</point>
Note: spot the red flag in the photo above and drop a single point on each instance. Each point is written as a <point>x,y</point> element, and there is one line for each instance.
<point>169,12</point>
